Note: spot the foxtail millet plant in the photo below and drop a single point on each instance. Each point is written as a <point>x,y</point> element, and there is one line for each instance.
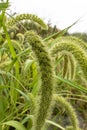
<point>78,53</point>
<point>72,67</point>
<point>44,98</point>
<point>65,65</point>
<point>46,91</point>
<point>69,66</point>
<point>76,40</point>
<point>73,39</point>
<point>69,109</point>
<point>31,17</point>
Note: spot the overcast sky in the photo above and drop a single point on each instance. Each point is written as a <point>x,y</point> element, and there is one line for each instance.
<point>60,12</point>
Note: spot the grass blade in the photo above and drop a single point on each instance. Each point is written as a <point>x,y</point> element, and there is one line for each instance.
<point>60,33</point>
<point>15,124</point>
<point>72,84</point>
<point>55,124</point>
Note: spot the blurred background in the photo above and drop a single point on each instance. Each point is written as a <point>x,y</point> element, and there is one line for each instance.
<point>61,13</point>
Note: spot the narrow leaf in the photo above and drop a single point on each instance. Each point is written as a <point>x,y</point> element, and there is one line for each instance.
<point>55,124</point>
<point>60,33</point>
<point>15,124</point>
<point>72,84</point>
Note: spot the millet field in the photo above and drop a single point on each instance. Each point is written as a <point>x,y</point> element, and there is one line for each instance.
<point>43,74</point>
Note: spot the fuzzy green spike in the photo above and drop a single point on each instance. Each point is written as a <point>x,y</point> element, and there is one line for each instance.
<point>15,44</point>
<point>20,37</point>
<point>78,53</point>
<point>78,41</point>
<point>46,91</point>
<point>65,65</point>
<point>31,17</point>
<point>72,67</point>
<point>73,39</point>
<point>69,109</point>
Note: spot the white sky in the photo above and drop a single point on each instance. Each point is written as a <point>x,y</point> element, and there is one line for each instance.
<point>60,12</point>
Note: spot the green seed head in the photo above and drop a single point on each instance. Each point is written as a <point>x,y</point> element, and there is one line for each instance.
<point>69,109</point>
<point>78,53</point>
<point>46,90</point>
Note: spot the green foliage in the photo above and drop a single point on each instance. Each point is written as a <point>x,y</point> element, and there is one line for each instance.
<point>27,74</point>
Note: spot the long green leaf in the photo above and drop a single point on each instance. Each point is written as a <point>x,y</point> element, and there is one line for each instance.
<point>15,124</point>
<point>72,84</point>
<point>55,124</point>
<point>23,94</point>
<point>13,53</point>
<point>60,33</point>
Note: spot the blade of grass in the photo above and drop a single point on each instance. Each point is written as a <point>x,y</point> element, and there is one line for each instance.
<point>15,124</point>
<point>23,94</point>
<point>72,84</point>
<point>55,124</point>
<point>11,75</point>
<point>61,33</point>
